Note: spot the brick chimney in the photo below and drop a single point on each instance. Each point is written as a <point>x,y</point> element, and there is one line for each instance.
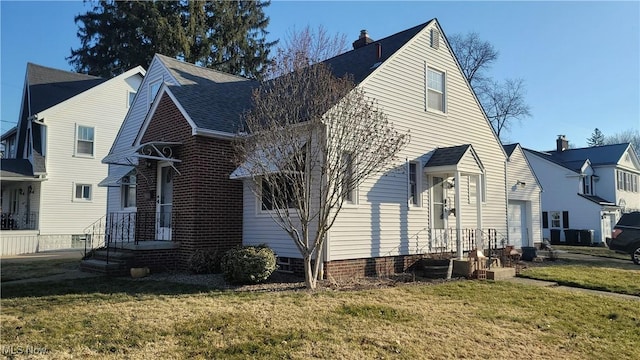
<point>363,40</point>
<point>562,143</point>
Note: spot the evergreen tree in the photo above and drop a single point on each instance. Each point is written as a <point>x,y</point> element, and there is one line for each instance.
<point>225,35</point>
<point>596,139</point>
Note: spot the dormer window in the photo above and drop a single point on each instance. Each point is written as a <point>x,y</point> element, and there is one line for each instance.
<point>587,185</point>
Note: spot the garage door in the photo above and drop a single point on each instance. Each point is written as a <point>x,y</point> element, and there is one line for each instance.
<point>517,223</point>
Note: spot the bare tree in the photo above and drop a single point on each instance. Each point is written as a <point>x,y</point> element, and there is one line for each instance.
<point>474,55</point>
<point>631,136</point>
<point>310,140</point>
<point>503,102</point>
<point>306,47</point>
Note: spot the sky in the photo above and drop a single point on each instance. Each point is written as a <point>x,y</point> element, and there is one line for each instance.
<point>580,60</point>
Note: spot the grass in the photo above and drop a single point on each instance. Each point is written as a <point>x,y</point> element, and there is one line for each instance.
<point>612,279</point>
<point>122,318</point>
<point>593,250</point>
<point>28,269</point>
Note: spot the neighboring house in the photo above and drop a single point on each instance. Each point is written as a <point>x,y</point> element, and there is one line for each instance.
<point>586,188</point>
<point>524,199</point>
<point>449,195</point>
<point>51,166</point>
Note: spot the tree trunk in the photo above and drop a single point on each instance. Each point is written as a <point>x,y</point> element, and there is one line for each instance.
<point>309,279</point>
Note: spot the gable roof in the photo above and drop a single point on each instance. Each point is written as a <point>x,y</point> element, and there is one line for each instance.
<point>361,62</point>
<point>509,148</point>
<point>574,159</point>
<point>48,86</point>
<point>447,156</point>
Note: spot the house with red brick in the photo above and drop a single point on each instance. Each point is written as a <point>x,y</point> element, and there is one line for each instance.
<point>448,195</point>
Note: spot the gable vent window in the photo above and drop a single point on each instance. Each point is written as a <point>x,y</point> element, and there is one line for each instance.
<point>435,39</point>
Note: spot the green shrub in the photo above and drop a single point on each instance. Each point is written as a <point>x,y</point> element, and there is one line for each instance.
<point>248,264</point>
<point>205,261</point>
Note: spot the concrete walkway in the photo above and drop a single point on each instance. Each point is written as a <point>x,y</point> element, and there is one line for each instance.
<point>75,254</point>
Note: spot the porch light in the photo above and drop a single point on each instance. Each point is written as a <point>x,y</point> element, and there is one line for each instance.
<point>451,184</point>
<point>30,189</point>
<point>21,191</point>
<point>522,184</point>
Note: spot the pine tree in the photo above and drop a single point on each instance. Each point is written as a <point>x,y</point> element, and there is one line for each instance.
<point>596,139</point>
<point>225,35</point>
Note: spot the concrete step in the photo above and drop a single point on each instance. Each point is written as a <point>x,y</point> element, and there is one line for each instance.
<point>112,255</point>
<point>501,273</point>
<point>111,268</point>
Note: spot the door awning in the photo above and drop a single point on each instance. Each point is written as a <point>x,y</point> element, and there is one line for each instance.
<point>462,158</point>
<point>115,177</point>
<point>154,150</point>
<point>263,162</point>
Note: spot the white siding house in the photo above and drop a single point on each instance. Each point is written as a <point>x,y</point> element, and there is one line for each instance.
<point>67,124</point>
<point>460,195</point>
<point>524,194</point>
<point>586,188</point>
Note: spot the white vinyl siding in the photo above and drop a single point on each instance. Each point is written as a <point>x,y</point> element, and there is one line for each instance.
<point>382,224</point>
<point>103,109</point>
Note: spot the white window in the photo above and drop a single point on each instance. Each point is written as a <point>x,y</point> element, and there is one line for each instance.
<point>348,189</point>
<point>435,93</point>
<point>82,192</point>
<point>128,191</point>
<point>130,97</point>
<point>414,182</point>
<point>153,90</point>
<point>587,185</point>
<point>281,193</point>
<point>84,140</point>
<point>555,219</point>
<point>620,180</point>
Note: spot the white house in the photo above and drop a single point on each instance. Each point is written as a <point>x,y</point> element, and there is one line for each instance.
<point>524,198</point>
<point>585,188</point>
<point>52,167</point>
<point>449,194</point>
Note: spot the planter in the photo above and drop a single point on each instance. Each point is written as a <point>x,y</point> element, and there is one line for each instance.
<point>433,268</point>
<point>139,272</point>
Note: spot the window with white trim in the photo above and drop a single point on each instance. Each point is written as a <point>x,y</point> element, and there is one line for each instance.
<point>348,190</point>
<point>281,193</point>
<point>82,192</point>
<point>128,191</point>
<point>627,181</point>
<point>435,90</point>
<point>414,183</point>
<point>154,87</point>
<point>131,95</point>
<point>84,140</point>
<point>555,219</point>
<point>587,185</point>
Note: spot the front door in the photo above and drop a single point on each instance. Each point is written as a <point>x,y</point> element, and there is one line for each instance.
<point>164,202</point>
<point>517,224</point>
<point>608,222</point>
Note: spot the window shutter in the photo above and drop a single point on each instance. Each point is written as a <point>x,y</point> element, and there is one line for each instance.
<point>545,220</point>
<point>565,219</point>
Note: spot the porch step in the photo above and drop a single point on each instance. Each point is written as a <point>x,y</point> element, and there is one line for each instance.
<point>112,268</point>
<point>118,263</point>
<point>501,273</point>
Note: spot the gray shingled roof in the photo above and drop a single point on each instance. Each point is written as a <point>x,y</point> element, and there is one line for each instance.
<point>361,62</point>
<point>15,168</point>
<point>214,100</point>
<point>597,199</point>
<point>49,87</point>
<point>447,156</point>
<point>509,148</point>
<point>573,159</point>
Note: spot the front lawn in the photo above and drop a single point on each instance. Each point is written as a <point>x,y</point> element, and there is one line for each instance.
<point>589,277</point>
<point>29,269</point>
<point>122,318</point>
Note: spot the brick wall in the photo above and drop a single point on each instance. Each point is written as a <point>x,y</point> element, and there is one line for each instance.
<point>207,205</point>
<point>379,266</point>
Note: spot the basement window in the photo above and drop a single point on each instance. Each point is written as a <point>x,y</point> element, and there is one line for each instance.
<point>284,264</point>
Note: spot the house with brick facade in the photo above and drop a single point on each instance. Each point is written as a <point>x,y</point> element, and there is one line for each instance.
<point>449,194</point>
